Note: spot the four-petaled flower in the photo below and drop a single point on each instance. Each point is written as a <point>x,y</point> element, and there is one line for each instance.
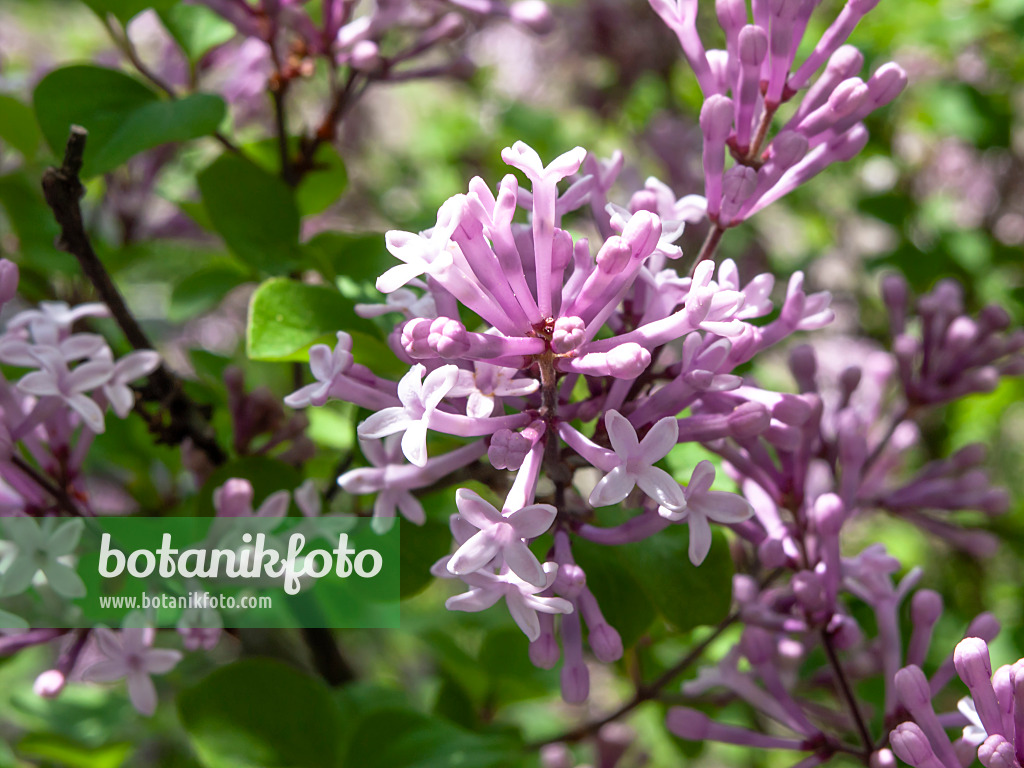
<point>636,463</point>
<point>520,596</point>
<point>55,380</point>
<point>500,534</point>
<point>420,398</point>
<point>38,548</point>
<point>126,370</point>
<point>326,365</point>
<point>702,504</point>
<point>421,253</point>
<point>488,382</point>
<point>129,655</point>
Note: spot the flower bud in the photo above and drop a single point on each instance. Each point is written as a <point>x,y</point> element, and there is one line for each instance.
<point>234,498</point>
<point>614,255</point>
<point>532,14</point>
<point>544,651</point>
<point>882,758</point>
<point>605,642</point>
<point>925,607</point>
<point>997,752</point>
<point>753,46</point>
<point>508,449</point>
<point>748,419</point>
<point>50,683</point>
<point>569,334</point>
<point>912,746</point>
<point>8,280</point>
<point>912,689</point>
<point>575,680</point>
<point>365,55</point>
<point>972,662</point>
<point>570,580</point>
<point>688,724</point>
<point>716,118</point>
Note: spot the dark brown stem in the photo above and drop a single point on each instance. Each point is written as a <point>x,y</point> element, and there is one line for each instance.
<point>63,189</point>
<point>847,693</point>
<point>326,656</point>
<point>762,132</point>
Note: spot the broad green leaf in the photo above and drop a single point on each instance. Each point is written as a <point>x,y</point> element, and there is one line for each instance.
<point>204,289</point>
<point>621,598</point>
<point>254,211</point>
<point>286,316</point>
<point>126,9</point>
<point>123,116</point>
<point>403,738</point>
<point>32,221</point>
<point>360,256</point>
<point>421,547</point>
<point>686,595</point>
<point>196,28</point>
<point>63,751</point>
<point>259,713</point>
<point>18,126</point>
<point>321,186</point>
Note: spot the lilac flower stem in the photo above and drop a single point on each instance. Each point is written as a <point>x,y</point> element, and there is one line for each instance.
<point>846,691</point>
<point>59,495</point>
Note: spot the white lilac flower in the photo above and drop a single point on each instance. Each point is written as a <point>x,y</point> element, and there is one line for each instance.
<point>132,366</point>
<point>500,534</point>
<point>39,548</point>
<point>701,504</point>
<point>128,654</point>
<point>486,383</point>
<point>636,460</point>
<point>521,597</point>
<point>420,398</point>
<point>326,365</point>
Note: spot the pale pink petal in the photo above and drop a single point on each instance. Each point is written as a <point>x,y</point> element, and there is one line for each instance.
<point>479,405</point>
<point>137,364</point>
<point>414,443</point>
<point>532,521</point>
<point>16,352</point>
<point>88,376</point>
<point>660,486</point>
<point>517,387</point>
<point>701,479</point>
<point>473,600</point>
<point>474,554</point>
<point>410,386</point>
<point>121,399</point>
<point>300,398</point>
<point>105,671</point>
<point>320,358</point>
<point>437,384</point>
<point>161,660</point>
<point>81,345</point>
<point>567,163</point>
<point>621,434</point>
<point>390,421</point>
<point>411,508</point>
<point>612,488</point>
<point>39,383</point>
<point>91,413</point>
<point>700,538</point>
<point>109,643</point>
<point>275,505</point>
<point>659,440</point>
<point>523,615</point>
<point>65,538</point>
<point>523,563</point>
<point>723,507</point>
<point>399,275</point>
<point>142,693</point>
<point>476,510</point>
<point>548,604</point>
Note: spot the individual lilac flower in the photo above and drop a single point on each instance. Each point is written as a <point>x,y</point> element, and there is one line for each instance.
<point>235,497</point>
<point>128,654</point>
<point>52,320</point>
<point>421,253</point>
<point>500,534</point>
<point>420,398</point>
<point>635,463</point>
<point>15,350</point>
<point>521,597</point>
<point>54,379</point>
<point>40,548</point>
<point>327,365</point>
<point>486,383</point>
<point>132,366</point>
<point>701,504</point>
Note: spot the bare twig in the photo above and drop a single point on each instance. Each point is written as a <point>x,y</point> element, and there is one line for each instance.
<point>847,692</point>
<point>63,189</point>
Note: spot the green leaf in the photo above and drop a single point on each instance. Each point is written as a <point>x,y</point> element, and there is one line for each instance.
<point>263,714</point>
<point>687,596</point>
<point>204,289</point>
<point>254,211</point>
<point>126,9</point>
<point>286,317</point>
<point>18,126</point>
<point>360,256</point>
<point>123,116</point>
<point>65,752</point>
<point>196,28</point>
<point>421,547</point>
<point>324,183</point>
<point>403,738</point>
<point>621,598</point>
<point>33,223</point>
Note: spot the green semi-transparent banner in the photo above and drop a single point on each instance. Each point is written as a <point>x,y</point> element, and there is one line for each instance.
<point>198,572</point>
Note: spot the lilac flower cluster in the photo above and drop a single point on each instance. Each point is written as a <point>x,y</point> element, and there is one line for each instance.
<point>745,85</point>
<point>52,412</point>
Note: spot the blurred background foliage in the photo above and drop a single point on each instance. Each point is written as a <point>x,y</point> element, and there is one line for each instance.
<point>939,192</point>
